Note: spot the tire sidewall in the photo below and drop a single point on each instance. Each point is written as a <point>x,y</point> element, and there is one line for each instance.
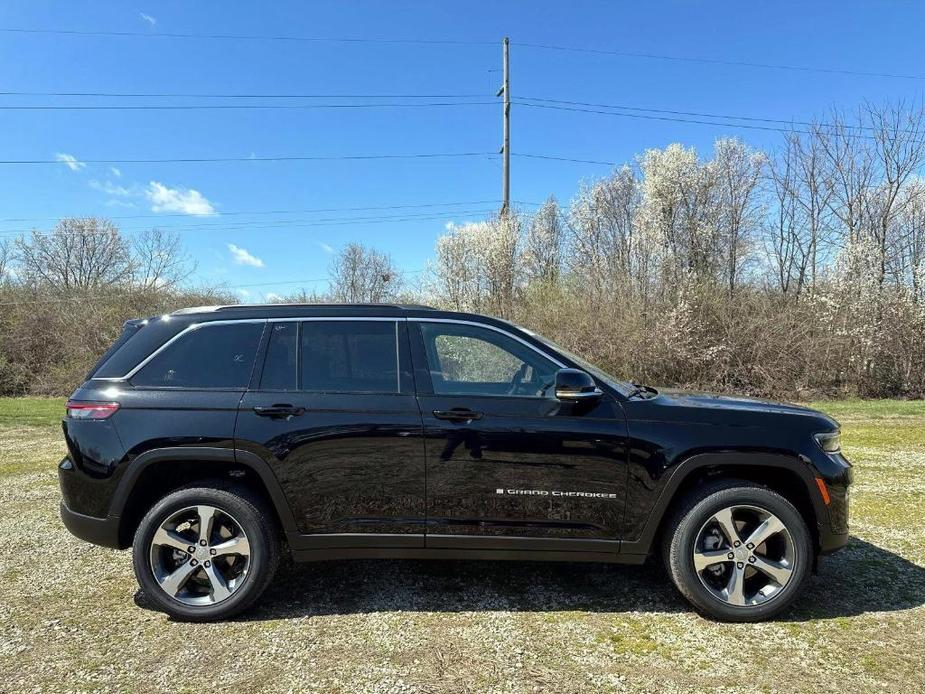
<point>253,526</point>
<point>682,560</point>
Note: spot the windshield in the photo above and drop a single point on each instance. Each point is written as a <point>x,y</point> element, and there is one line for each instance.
<point>622,387</point>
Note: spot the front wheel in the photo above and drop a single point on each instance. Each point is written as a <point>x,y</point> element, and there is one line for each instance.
<point>738,552</point>
<point>205,553</point>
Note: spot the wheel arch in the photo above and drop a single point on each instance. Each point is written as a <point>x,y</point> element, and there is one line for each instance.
<point>788,475</point>
<point>158,472</point>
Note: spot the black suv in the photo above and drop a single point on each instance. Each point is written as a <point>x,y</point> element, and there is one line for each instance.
<point>212,438</point>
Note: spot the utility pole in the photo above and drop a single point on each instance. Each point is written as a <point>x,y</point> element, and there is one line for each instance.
<point>506,147</point>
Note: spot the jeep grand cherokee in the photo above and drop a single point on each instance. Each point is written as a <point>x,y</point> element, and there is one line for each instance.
<point>210,440</point>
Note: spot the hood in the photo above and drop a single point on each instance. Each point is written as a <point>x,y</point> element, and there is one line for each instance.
<point>733,409</point>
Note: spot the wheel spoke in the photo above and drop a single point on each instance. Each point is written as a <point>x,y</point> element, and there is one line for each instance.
<point>236,545</point>
<point>735,589</point>
<point>777,571</point>
<point>206,521</point>
<point>220,589</point>
<point>173,582</point>
<point>169,538</point>
<point>771,526</point>
<point>727,525</point>
<point>709,558</point>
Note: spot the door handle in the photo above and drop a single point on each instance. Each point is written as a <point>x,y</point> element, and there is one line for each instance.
<point>279,411</point>
<point>458,414</point>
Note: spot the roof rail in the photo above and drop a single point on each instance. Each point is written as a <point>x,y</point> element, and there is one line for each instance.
<point>321,305</point>
<point>230,307</point>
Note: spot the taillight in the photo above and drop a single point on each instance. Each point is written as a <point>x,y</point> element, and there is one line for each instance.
<point>90,410</point>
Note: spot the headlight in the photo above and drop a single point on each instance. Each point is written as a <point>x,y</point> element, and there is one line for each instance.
<point>829,441</point>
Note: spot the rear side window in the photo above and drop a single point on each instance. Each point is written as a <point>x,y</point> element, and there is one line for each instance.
<point>211,356</point>
<point>349,356</point>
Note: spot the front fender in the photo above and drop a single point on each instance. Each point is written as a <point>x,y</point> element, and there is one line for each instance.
<point>787,466</point>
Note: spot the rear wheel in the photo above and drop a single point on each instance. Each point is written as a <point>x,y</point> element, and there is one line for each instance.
<point>205,553</point>
<point>738,552</point>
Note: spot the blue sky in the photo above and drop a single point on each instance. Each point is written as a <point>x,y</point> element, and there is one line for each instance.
<point>215,206</point>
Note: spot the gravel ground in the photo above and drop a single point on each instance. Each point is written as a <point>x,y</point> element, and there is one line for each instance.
<point>71,618</point>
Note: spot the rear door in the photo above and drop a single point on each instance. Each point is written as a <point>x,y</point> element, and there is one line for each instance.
<point>334,414</point>
<point>509,465</point>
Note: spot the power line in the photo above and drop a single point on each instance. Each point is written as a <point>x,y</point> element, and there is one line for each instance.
<point>213,95</point>
<point>281,225</point>
<point>717,61</point>
<point>196,160</point>
<point>235,107</point>
<point>244,37</point>
<point>672,119</point>
<point>555,158</point>
<point>233,213</point>
<point>699,114</point>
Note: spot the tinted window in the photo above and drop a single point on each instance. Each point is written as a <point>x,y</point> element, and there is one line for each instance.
<point>217,356</point>
<point>471,360</point>
<point>349,356</point>
<point>280,370</point>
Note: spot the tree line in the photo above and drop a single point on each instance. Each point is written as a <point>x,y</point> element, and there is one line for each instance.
<point>793,272</point>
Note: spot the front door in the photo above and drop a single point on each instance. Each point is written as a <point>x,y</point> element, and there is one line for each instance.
<point>334,414</point>
<point>505,458</point>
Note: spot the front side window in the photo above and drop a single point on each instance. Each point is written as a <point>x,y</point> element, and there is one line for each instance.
<point>471,360</point>
<point>349,356</point>
<point>209,356</point>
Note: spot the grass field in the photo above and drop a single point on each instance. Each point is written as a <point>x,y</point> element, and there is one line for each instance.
<point>70,619</point>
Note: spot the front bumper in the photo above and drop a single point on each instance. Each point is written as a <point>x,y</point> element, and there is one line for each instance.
<point>99,531</point>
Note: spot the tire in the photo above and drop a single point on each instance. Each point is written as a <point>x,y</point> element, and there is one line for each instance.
<point>724,581</point>
<point>212,581</point>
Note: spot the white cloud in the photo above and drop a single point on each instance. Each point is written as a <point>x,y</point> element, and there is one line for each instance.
<point>115,171</point>
<point>271,297</point>
<point>148,18</point>
<point>244,293</point>
<point>110,188</point>
<point>243,257</point>
<point>184,200</point>
<point>327,248</point>
<point>113,202</point>
<point>70,161</point>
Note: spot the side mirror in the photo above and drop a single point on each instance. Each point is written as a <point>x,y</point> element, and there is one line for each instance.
<point>574,385</point>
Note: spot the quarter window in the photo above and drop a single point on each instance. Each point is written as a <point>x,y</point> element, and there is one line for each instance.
<point>472,360</point>
<point>210,356</point>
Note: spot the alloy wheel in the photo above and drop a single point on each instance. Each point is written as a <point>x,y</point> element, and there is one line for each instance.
<point>744,555</point>
<point>200,555</point>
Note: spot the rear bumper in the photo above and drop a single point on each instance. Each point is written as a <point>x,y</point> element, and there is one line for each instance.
<point>99,531</point>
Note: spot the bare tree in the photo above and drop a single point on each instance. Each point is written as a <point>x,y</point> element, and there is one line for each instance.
<point>6,258</point>
<point>899,140</point>
<point>738,171</point>
<point>360,274</point>
<point>158,261</point>
<point>80,253</point>
<point>801,226</point>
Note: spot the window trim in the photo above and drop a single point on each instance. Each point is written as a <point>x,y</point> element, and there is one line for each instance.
<point>291,319</point>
